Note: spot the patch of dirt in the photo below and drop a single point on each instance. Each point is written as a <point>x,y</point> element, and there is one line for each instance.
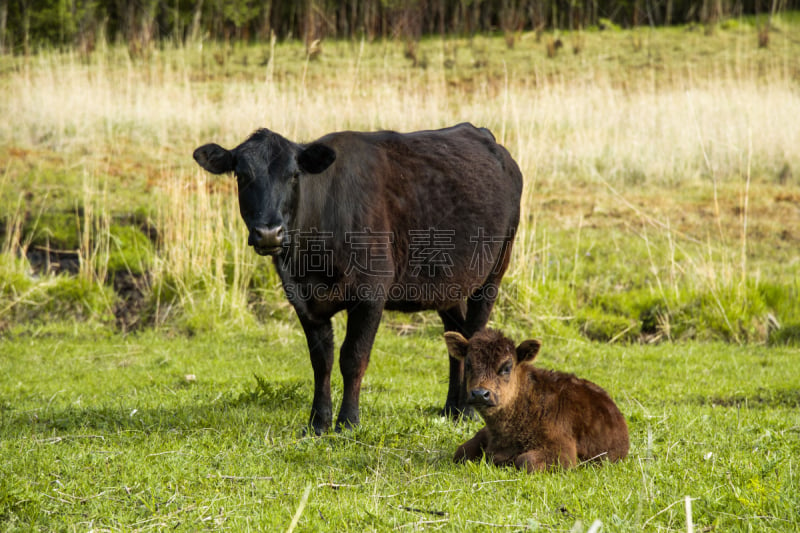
<point>53,261</point>
<point>130,311</point>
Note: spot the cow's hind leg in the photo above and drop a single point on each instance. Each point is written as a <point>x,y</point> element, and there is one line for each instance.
<point>479,307</point>
<point>319,335</point>
<point>456,403</point>
<point>481,302</point>
<point>362,325</point>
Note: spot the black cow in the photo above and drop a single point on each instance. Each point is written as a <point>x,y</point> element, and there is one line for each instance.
<point>364,222</point>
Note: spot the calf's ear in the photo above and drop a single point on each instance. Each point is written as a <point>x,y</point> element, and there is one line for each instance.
<point>456,345</point>
<point>214,158</point>
<point>527,350</point>
<point>315,158</point>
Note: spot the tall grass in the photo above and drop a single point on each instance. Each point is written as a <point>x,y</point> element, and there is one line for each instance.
<point>204,264</point>
<point>644,174</point>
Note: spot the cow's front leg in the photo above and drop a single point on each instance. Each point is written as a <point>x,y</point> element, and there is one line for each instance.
<point>362,325</point>
<point>319,335</point>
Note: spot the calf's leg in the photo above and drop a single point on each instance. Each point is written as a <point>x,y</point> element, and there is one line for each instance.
<point>563,454</point>
<point>362,325</point>
<point>473,448</point>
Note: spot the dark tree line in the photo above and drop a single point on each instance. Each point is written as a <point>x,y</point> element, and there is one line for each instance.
<point>29,23</point>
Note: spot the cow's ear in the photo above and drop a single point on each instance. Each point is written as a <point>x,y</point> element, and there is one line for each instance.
<point>527,350</point>
<point>315,158</point>
<point>456,345</point>
<point>214,158</point>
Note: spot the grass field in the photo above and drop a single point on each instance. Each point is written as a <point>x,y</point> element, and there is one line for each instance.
<point>152,376</point>
<point>102,432</point>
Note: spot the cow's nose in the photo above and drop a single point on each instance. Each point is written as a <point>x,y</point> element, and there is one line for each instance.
<point>480,397</point>
<point>266,238</point>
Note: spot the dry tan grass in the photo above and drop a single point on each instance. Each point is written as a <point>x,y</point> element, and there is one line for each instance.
<point>559,132</point>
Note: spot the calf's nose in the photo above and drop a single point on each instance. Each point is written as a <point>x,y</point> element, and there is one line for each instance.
<point>266,238</point>
<point>480,397</point>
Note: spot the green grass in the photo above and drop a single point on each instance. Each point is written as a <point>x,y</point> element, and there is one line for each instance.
<point>164,432</point>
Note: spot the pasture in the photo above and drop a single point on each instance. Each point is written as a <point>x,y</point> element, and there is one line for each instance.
<point>152,375</point>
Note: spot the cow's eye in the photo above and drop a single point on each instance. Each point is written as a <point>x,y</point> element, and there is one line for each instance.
<point>467,365</point>
<point>505,369</point>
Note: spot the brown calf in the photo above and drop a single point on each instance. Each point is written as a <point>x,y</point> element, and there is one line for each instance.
<point>535,418</point>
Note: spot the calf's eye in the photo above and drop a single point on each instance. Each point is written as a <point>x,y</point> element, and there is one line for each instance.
<point>505,369</point>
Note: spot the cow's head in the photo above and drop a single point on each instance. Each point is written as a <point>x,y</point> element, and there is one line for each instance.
<point>492,367</point>
<point>267,168</point>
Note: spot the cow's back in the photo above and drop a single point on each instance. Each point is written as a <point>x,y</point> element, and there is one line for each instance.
<point>454,193</point>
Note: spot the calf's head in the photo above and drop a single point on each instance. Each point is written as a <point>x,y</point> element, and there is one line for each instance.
<point>268,168</point>
<point>493,367</point>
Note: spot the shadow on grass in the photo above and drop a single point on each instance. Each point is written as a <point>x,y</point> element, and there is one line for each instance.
<point>277,408</point>
<point>786,336</point>
<point>268,404</point>
<point>762,398</point>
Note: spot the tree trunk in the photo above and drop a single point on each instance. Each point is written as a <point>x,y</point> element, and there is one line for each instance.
<point>26,25</point>
<point>194,33</point>
<point>3,18</point>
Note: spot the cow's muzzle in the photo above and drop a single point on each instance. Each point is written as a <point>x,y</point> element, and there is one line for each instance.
<point>480,398</point>
<point>266,241</point>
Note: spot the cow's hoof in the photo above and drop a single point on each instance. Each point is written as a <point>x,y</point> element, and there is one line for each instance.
<point>345,425</point>
<point>311,431</point>
<point>315,428</point>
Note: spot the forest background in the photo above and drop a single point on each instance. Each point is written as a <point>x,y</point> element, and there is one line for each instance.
<point>81,23</point>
